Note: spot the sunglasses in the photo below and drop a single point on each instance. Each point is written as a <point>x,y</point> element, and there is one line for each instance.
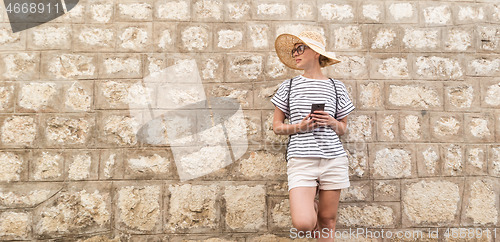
<point>300,49</point>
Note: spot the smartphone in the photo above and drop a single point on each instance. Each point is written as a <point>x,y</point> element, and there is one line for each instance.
<point>317,107</point>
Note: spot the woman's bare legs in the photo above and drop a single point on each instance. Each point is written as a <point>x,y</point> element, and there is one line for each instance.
<point>327,215</point>
<point>304,217</point>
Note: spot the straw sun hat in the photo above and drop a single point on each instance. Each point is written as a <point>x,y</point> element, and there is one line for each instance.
<point>285,43</point>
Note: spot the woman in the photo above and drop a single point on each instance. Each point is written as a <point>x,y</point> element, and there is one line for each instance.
<point>317,161</point>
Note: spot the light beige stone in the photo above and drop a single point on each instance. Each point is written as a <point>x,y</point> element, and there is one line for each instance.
<point>336,12</point>
<point>20,65</point>
<point>237,10</point>
<point>77,98</point>
<point>98,37</point>
<point>238,199</point>
<point>431,158</point>
<point>371,11</point>
<point>358,162</point>
<point>229,38</point>
<point>431,202</point>
<point>494,166</point>
<point>79,169</point>
<point>195,38</point>
<point>11,166</point>
<point>263,164</point>
<point>247,66</point>
<point>131,65</point>
<point>192,207</point>
<point>68,130</point>
<point>453,160</point>
<point>438,15</point>
<point>71,66</point>
<point>401,11</point>
<point>384,39</point>
<point>258,34</point>
<point>139,207</point>
<point>458,40</point>
<point>36,95</point>
<point>360,129</point>
<point>122,129</point>
<point>351,66</point>
<point>15,225</point>
<point>348,38</point>
<point>208,9</point>
<point>164,10</point>
<point>393,163</point>
<point>482,208</point>
<point>370,95</point>
<point>469,13</point>
<point>51,37</point>
<point>135,11</point>
<point>24,199</point>
<point>493,94</point>
<point>484,67</point>
<point>48,166</point>
<point>488,37</point>
<point>151,163</point>
<point>19,130</point>
<point>134,38</point>
<point>460,96</point>
<point>414,95</point>
<point>280,214</point>
<point>421,38</point>
<point>438,67</point>
<point>101,12</point>
<point>369,216</point>
<point>394,67</point>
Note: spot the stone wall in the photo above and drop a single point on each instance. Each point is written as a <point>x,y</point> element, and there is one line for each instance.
<point>423,142</point>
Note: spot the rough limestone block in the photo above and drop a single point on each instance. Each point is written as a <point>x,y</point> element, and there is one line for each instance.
<point>269,135</point>
<point>401,12</point>
<point>11,41</point>
<point>259,36</point>
<point>237,10</point>
<point>94,37</point>
<point>297,28</point>
<point>481,202</point>
<point>59,65</point>
<point>111,164</point>
<point>480,127</point>
<point>229,37</point>
<point>476,162</point>
<point>263,164</point>
<point>459,39</point>
<point>352,66</point>
<point>192,208</point>
<point>200,238</point>
<point>428,160</point>
<point>100,11</point>
<point>241,92</point>
<point>118,128</point>
<point>50,37</point>
<point>361,127</point>
<point>421,39</point>
<point>47,165</point>
<point>436,13</point>
<point>497,126</point>
<point>494,160</point>
<point>78,96</point>
<point>466,13</point>
<point>134,11</point>
<point>387,190</point>
<point>490,91</point>
<point>68,131</point>
<point>385,38</point>
<point>277,188</point>
<point>336,12</point>
<point>7,96</point>
<point>13,167</point>
<point>373,215</point>
<point>414,126</point>
<point>154,63</point>
<point>493,12</point>
<point>138,207</point>
<point>357,153</point>
<point>207,10</point>
<point>348,38</point>
<point>102,237</point>
<point>15,226</point>
<point>81,208</point>
<point>165,37</point>
<point>39,97</point>
<point>264,92</point>
<point>462,96</point>
<point>120,66</point>
<point>82,165</point>
<point>19,131</point>
<point>123,94</point>
<point>372,12</point>
<point>77,15</point>
<point>304,10</point>
<point>370,95</point>
<point>270,10</point>
<point>387,126</point>
<point>244,66</point>
<point>195,37</point>
<point>26,195</point>
<point>253,127</point>
<point>483,65</point>
<point>415,96</point>
<point>446,127</point>
<point>452,157</point>
<point>487,38</point>
<point>437,67</point>
<point>148,164</point>
<point>163,10</point>
<point>136,37</point>
<point>20,66</point>
<point>211,67</point>
<point>385,66</point>
<point>240,197</point>
<point>275,69</point>
<point>392,161</point>
<point>359,191</point>
<point>279,214</point>
<point>431,202</point>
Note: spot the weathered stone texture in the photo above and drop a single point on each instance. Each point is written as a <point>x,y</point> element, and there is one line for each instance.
<point>138,208</point>
<point>367,215</point>
<point>15,226</point>
<point>238,199</point>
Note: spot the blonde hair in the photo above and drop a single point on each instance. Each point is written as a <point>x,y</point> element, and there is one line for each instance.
<point>323,61</point>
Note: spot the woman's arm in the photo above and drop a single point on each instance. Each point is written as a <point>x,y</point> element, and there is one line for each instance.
<point>324,119</point>
<point>280,128</point>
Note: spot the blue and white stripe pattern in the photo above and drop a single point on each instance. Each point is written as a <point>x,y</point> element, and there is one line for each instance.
<point>322,142</point>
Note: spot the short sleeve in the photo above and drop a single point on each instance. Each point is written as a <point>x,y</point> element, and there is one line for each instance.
<point>280,98</point>
<point>345,104</point>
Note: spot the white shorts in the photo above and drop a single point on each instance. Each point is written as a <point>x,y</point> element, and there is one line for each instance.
<point>330,174</point>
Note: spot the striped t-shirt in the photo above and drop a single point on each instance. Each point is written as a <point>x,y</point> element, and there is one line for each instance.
<point>321,142</point>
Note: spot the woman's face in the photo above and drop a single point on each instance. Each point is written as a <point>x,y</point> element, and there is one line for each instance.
<point>305,59</point>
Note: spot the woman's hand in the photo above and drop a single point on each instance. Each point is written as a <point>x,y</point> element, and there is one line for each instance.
<point>323,119</point>
<point>307,124</point>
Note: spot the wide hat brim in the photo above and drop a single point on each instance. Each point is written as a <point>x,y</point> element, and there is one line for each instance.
<point>284,44</point>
